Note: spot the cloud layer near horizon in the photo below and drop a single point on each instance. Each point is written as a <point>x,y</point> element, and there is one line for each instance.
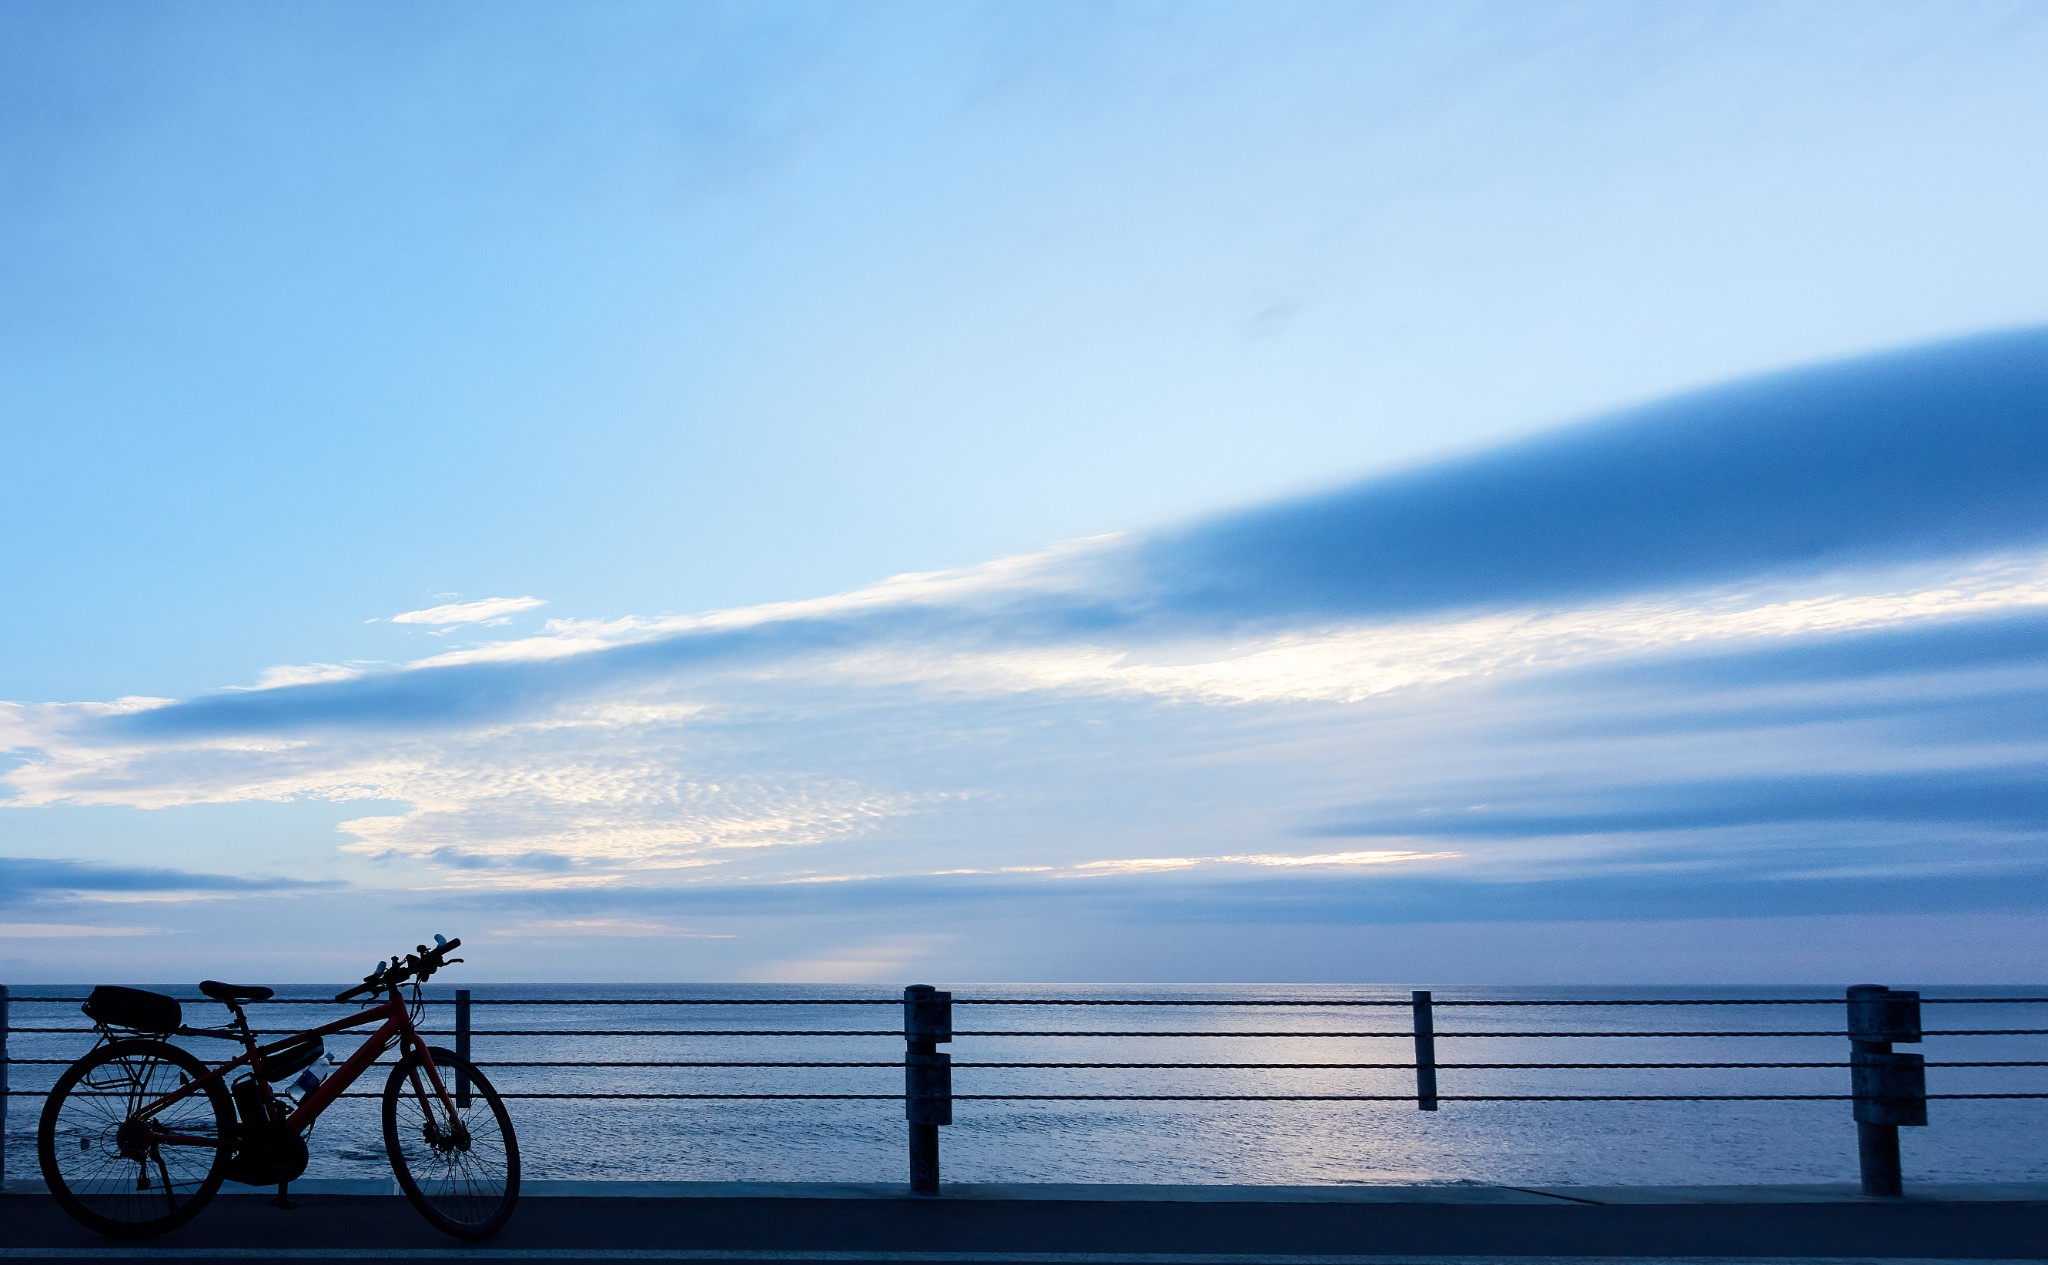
<point>1787,631</point>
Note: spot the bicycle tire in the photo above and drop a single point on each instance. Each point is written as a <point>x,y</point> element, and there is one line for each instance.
<point>89,1181</point>
<point>463,1180</point>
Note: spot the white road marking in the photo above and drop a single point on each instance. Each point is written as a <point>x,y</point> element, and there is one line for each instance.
<point>584,1253</point>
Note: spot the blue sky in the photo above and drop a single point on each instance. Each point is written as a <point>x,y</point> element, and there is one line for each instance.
<point>1466,492</point>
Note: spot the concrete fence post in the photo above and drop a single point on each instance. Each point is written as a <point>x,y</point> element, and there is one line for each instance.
<point>1889,1089</point>
<point>927,1080</point>
<point>462,1047</point>
<point>1425,1050</point>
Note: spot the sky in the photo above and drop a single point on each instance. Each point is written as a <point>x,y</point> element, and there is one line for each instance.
<point>1494,493</point>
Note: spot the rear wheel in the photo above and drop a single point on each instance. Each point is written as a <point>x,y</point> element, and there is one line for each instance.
<point>460,1168</point>
<point>122,1174</point>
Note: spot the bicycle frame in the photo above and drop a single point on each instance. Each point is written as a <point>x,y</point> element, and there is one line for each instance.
<point>396,1028</point>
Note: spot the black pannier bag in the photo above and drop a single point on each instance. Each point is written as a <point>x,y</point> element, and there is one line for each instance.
<point>136,1009</point>
<point>293,1059</point>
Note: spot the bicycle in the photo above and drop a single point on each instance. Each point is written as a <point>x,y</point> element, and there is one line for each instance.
<point>138,1135</point>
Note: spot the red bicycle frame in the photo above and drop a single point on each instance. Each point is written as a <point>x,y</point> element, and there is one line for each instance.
<point>397,1028</point>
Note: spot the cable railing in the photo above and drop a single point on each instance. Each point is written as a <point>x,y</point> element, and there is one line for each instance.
<point>1887,1088</point>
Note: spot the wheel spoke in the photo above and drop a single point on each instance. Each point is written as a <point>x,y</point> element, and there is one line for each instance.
<point>459,1165</point>
<point>101,1156</point>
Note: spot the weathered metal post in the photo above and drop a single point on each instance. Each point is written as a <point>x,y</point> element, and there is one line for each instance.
<point>3,1086</point>
<point>1889,1089</point>
<point>1425,1050</point>
<point>462,1047</point>
<point>927,1080</point>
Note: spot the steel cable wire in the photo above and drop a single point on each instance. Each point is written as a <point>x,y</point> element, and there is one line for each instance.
<point>1098,1032</point>
<point>1117,1001</point>
<point>1264,1001</point>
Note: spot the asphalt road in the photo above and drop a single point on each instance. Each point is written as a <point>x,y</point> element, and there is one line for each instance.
<point>1140,1227</point>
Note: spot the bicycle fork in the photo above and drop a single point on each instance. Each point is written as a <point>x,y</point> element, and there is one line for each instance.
<point>436,1105</point>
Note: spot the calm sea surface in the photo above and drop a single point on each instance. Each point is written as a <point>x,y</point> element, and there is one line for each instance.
<point>1521,1143</point>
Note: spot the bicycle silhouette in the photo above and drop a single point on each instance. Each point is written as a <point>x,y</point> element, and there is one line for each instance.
<point>138,1135</point>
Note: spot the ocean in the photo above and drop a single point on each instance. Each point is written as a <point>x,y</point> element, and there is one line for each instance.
<point>1261,1142</point>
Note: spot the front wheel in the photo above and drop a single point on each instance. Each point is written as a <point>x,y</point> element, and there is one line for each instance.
<point>459,1165</point>
<point>119,1169</point>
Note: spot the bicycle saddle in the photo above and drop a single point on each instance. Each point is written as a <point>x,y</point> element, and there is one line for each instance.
<point>235,992</point>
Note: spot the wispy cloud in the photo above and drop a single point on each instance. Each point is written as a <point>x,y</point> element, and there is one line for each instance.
<point>2014,798</point>
<point>68,931</point>
<point>1282,860</point>
<point>25,876</point>
<point>611,928</point>
<point>306,674</point>
<point>481,610</point>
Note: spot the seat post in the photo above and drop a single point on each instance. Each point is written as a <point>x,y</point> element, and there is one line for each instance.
<point>241,1023</point>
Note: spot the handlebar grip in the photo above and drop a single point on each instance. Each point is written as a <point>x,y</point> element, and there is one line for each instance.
<point>416,966</point>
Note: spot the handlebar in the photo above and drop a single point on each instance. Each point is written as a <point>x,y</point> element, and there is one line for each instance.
<point>419,965</point>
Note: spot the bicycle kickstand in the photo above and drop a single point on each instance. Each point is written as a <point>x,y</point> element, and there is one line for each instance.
<point>281,1201</point>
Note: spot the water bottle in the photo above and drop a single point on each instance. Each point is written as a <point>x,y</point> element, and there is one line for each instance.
<point>312,1078</point>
